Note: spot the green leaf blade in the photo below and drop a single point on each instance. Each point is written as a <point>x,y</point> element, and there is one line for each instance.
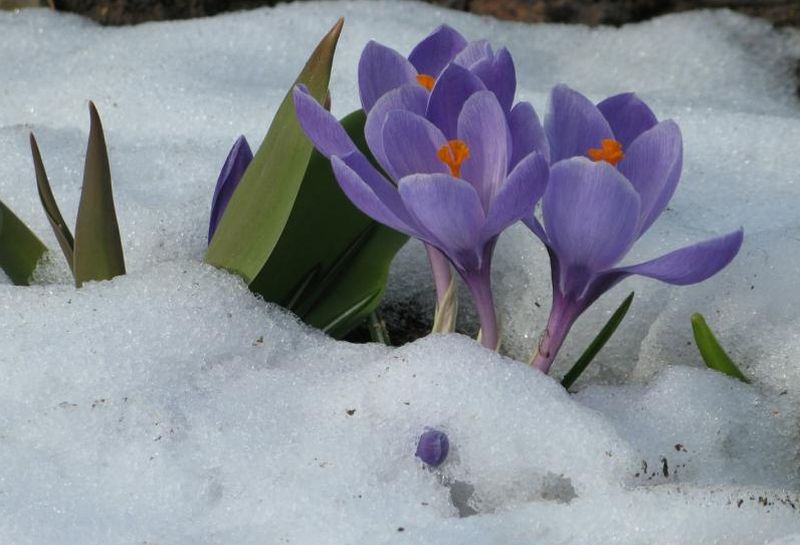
<point>20,248</point>
<point>262,203</point>
<point>598,343</point>
<point>98,245</point>
<point>712,352</point>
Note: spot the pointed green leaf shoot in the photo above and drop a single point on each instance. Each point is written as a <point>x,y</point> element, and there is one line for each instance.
<point>712,352</point>
<point>20,248</point>
<point>598,343</point>
<point>98,248</point>
<point>259,209</point>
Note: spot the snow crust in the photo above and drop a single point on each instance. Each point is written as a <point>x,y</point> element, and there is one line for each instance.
<point>171,406</point>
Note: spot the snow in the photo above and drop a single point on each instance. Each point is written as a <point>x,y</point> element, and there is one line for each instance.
<point>171,406</point>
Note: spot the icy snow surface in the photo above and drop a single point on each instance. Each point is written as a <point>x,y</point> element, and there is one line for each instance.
<point>170,406</point>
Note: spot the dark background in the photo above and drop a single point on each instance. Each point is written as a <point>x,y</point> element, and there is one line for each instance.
<point>592,12</point>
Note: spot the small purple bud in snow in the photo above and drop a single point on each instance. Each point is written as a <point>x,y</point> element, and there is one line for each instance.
<point>239,158</point>
<point>433,447</point>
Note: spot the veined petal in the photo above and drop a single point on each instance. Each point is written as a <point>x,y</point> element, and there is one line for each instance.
<point>432,54</point>
<point>527,134</point>
<point>320,126</point>
<point>452,89</point>
<point>518,195</point>
<point>590,215</point>
<point>411,143</point>
<point>532,222</point>
<point>473,53</point>
<point>371,193</point>
<point>450,210</point>
<point>628,117</point>
<point>239,158</point>
<point>499,76</point>
<point>412,98</point>
<point>573,124</point>
<point>653,165</point>
<point>380,70</point>
<point>482,125</point>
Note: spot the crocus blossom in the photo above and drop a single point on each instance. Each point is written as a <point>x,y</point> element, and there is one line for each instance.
<point>456,186</point>
<point>614,169</point>
<point>231,174</point>
<point>433,447</point>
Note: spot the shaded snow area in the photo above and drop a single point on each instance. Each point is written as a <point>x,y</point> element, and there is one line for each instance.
<point>172,407</point>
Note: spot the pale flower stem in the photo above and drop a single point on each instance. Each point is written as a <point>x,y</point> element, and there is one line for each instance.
<point>444,320</point>
<point>562,316</point>
<point>442,271</point>
<point>481,289</point>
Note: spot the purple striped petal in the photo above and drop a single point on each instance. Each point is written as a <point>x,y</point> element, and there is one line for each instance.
<point>527,134</point>
<point>573,124</point>
<point>320,126</point>
<point>482,125</point>
<point>518,195</point>
<point>239,158</point>
<point>450,210</point>
<point>590,215</point>
<point>474,53</point>
<point>412,98</point>
<point>411,143</point>
<point>452,89</point>
<point>653,165</point>
<point>628,117</point>
<point>380,70</point>
<point>371,193</point>
<point>432,54</point>
<point>499,76</point>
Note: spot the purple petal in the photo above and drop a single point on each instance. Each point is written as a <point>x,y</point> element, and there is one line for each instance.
<point>573,124</point>
<point>450,210</point>
<point>518,195</point>
<point>590,215</point>
<point>231,174</point>
<point>452,89</point>
<point>499,76</point>
<point>628,117</point>
<point>371,193</point>
<point>473,53</point>
<point>653,165</point>
<point>527,134</point>
<point>482,125</point>
<point>320,126</point>
<point>691,264</point>
<point>411,143</point>
<point>432,54</point>
<point>412,98</point>
<point>532,222</point>
<point>433,447</point>
<point>380,70</point>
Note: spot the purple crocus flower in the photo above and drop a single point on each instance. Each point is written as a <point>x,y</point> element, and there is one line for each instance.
<point>433,447</point>
<point>614,169</point>
<point>456,183</point>
<point>231,174</point>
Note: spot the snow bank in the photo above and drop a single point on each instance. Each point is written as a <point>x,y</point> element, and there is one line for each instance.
<point>170,406</point>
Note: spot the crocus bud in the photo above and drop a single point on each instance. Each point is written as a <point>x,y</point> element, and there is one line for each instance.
<point>433,447</point>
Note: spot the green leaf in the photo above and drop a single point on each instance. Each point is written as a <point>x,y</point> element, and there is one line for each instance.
<point>20,249</point>
<point>712,352</point>
<point>259,209</point>
<point>331,263</point>
<point>62,232</point>
<point>598,343</point>
<point>98,248</point>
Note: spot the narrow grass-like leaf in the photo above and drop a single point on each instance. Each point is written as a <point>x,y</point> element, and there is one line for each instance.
<point>98,248</point>
<point>377,329</point>
<point>598,343</point>
<point>258,211</point>
<point>20,248</point>
<point>712,352</point>
<point>60,229</point>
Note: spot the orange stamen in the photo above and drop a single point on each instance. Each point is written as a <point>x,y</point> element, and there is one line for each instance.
<point>610,152</point>
<point>453,154</point>
<point>426,81</point>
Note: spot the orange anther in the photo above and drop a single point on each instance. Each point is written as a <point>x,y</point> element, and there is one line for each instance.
<point>426,81</point>
<point>453,154</point>
<point>610,152</point>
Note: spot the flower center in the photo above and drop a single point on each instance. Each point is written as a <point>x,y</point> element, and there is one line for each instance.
<point>453,154</point>
<point>426,81</point>
<point>610,152</point>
